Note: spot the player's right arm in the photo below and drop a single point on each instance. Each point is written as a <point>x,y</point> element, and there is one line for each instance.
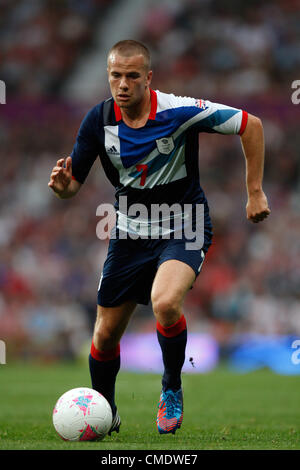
<point>69,174</point>
<point>61,181</point>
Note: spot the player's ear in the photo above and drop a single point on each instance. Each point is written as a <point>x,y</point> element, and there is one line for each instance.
<point>149,77</point>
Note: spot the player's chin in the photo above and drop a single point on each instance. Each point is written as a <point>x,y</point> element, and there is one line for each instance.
<point>124,104</point>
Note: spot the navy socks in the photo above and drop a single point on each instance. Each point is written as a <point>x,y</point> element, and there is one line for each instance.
<point>172,341</point>
<point>104,367</point>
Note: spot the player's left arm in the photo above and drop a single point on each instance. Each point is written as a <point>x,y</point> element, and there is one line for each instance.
<point>252,141</point>
<point>207,116</point>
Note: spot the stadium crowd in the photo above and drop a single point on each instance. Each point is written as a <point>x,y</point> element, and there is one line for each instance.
<point>51,258</point>
<point>41,41</point>
<point>229,49</point>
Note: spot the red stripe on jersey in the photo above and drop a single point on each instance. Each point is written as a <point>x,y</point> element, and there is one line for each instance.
<point>173,330</point>
<point>105,355</point>
<point>118,113</point>
<point>153,97</point>
<point>244,122</point>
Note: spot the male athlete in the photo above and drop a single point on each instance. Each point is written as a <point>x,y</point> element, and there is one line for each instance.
<point>147,142</point>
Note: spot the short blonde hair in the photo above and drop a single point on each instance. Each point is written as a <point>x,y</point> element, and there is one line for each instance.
<point>130,47</point>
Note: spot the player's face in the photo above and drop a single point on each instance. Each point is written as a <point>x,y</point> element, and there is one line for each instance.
<point>129,78</point>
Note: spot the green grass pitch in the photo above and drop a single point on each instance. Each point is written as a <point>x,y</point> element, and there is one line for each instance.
<point>222,410</point>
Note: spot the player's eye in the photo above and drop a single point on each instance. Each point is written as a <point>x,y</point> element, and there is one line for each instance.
<point>134,75</point>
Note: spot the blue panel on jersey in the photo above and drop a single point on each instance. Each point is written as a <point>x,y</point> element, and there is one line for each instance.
<point>136,144</point>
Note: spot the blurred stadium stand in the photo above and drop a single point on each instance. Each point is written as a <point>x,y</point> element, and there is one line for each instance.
<point>122,21</point>
<point>244,54</point>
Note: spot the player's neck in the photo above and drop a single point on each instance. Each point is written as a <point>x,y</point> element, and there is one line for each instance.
<point>137,115</point>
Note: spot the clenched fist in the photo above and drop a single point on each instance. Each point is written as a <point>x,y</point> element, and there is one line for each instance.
<point>257,207</point>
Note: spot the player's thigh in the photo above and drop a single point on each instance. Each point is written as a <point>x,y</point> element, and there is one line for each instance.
<point>111,322</point>
<point>173,280</point>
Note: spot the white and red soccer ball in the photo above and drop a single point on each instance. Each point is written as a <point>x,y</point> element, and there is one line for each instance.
<point>82,414</point>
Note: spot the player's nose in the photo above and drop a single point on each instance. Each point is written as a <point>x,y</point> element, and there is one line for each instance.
<point>123,84</point>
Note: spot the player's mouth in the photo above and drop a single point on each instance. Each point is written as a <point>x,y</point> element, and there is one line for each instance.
<point>123,97</point>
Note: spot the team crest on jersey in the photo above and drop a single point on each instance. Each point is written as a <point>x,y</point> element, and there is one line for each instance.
<point>200,104</point>
<point>165,145</point>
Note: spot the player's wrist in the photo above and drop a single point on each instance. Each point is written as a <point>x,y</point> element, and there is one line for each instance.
<point>254,191</point>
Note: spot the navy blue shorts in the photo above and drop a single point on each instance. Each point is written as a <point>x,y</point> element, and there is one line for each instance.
<point>131,266</point>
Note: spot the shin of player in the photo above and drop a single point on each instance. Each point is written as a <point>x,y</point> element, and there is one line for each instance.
<point>172,281</point>
<point>104,358</point>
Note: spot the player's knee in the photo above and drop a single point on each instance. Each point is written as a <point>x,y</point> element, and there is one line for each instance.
<point>104,338</point>
<point>166,310</point>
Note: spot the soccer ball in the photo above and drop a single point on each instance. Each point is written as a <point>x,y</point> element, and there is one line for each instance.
<point>82,414</point>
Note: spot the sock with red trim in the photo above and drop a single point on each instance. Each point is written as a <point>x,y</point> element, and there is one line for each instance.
<point>104,367</point>
<point>172,340</point>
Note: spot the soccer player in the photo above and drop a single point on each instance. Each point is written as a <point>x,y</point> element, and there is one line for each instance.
<point>147,142</point>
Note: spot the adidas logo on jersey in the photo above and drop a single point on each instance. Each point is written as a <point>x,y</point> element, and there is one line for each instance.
<point>112,150</point>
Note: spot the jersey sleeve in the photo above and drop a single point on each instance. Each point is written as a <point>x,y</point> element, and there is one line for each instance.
<point>221,118</point>
<point>207,116</point>
<point>86,148</point>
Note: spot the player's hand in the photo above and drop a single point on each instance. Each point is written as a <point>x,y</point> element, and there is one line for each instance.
<point>61,176</point>
<point>257,207</point>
